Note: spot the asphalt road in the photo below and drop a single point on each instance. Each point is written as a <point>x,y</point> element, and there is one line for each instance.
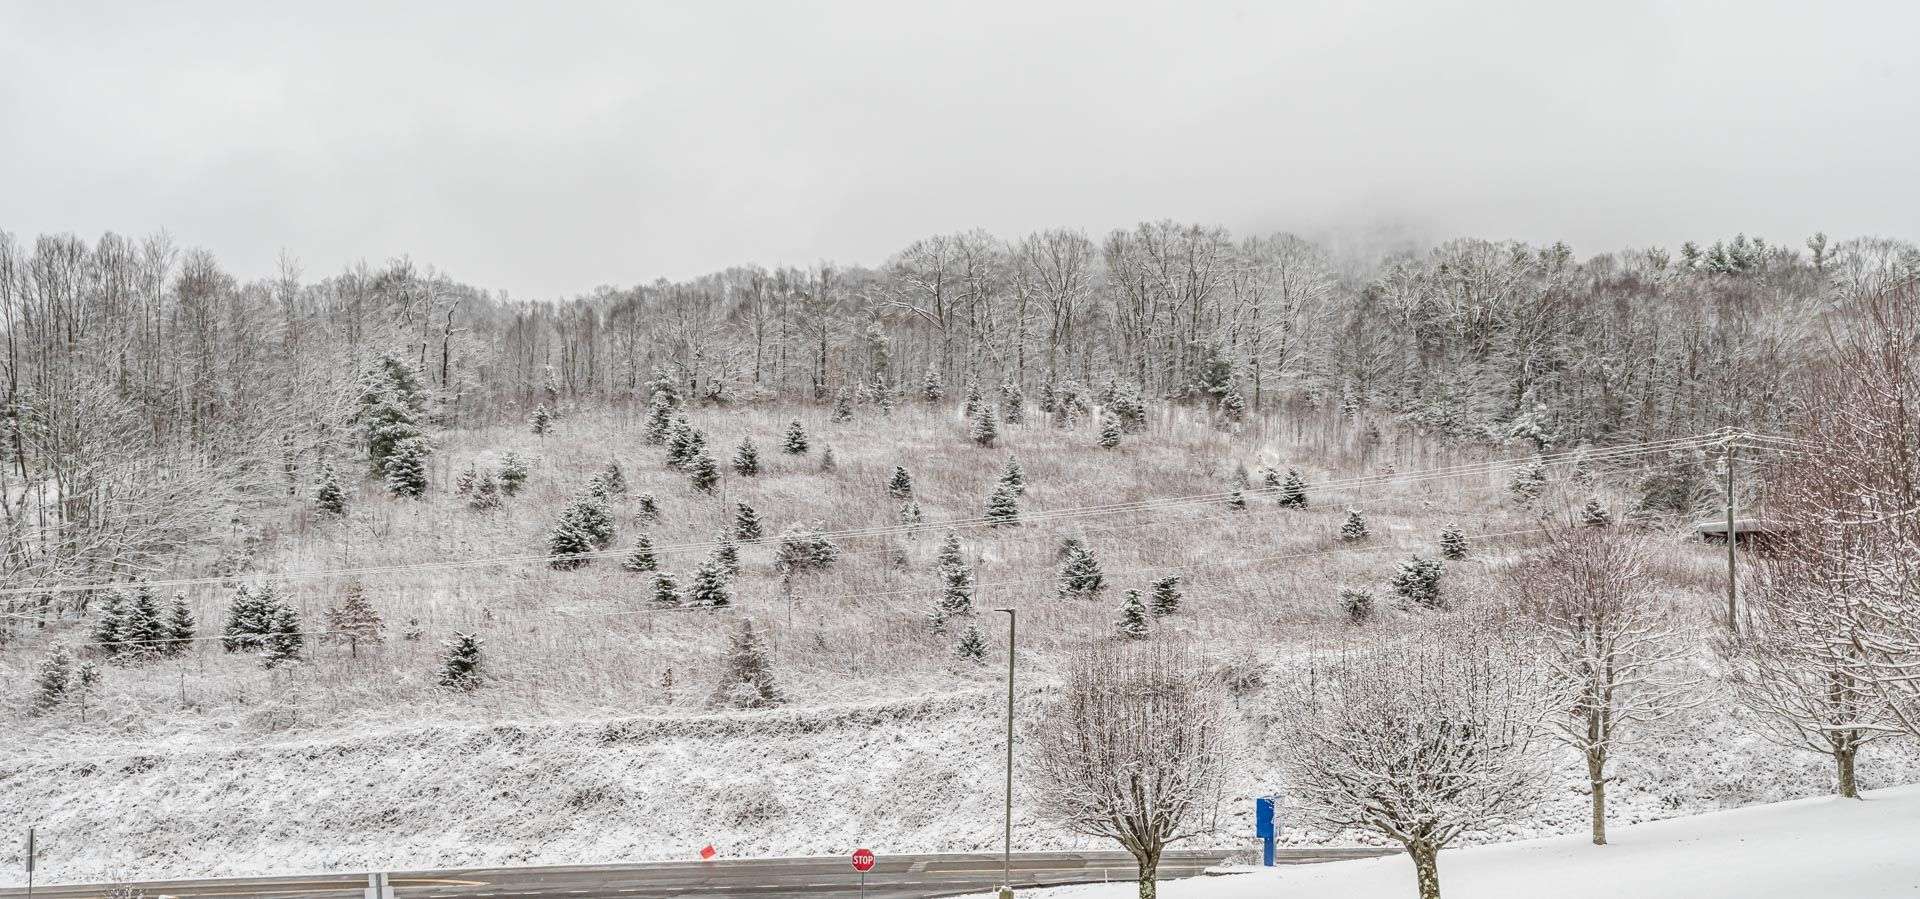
<point>893,877</point>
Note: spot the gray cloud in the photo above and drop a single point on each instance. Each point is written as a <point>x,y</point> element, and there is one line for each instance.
<point>547,148</point>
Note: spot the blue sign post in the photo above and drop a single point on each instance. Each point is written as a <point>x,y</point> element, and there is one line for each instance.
<point>1263,827</point>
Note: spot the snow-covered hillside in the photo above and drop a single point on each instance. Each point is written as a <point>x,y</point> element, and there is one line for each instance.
<point>917,775</point>
<point>1791,850</point>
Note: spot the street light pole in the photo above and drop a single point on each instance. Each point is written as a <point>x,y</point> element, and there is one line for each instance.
<point>1006,848</point>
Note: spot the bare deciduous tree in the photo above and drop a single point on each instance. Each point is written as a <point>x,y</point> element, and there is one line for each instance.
<point>1619,649</point>
<point>1139,742</point>
<point>1421,738</point>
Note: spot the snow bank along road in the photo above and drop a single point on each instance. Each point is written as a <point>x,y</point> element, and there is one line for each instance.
<point>893,877</point>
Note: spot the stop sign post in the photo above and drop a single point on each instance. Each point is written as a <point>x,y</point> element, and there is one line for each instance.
<point>863,862</point>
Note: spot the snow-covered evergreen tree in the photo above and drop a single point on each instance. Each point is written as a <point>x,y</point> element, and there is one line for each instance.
<point>1269,480</point>
<point>827,460</point>
<point>52,681</point>
<point>1357,604</point>
<point>1079,575</point>
<point>646,508</point>
<point>1355,529</point>
<point>1595,514</point>
<point>329,496</point>
<point>284,640</point>
<point>406,468</point>
<point>1293,491</point>
<point>249,618</point>
<point>1237,500</point>
<point>665,591</point>
<point>1418,582</point>
<point>486,494</point>
<point>1013,403</point>
<point>568,542</point>
<point>956,591</point>
<point>513,473</point>
<point>392,403</point>
<point>900,486</point>
<point>1530,481</point>
<point>685,444</point>
<point>1453,543</point>
<point>109,629</point>
<point>1015,477</point>
<point>746,459</point>
<point>746,675</point>
<point>1132,624</point>
<point>469,476</point>
<point>842,406</point>
<point>660,415</point>
<point>796,443</point>
<point>1233,406</point>
<point>1166,596</point>
<point>460,663</point>
<point>972,644</point>
<point>747,526</point>
<point>355,620</point>
<point>1003,507</point>
<point>972,403</point>
<point>726,554</point>
<point>986,427</point>
<point>804,549</point>
<point>910,514</point>
<point>932,388</point>
<point>641,556</point>
<point>143,631</point>
<point>611,482</point>
<point>703,472</point>
<point>541,421</point>
<point>1109,430</point>
<point>180,626</point>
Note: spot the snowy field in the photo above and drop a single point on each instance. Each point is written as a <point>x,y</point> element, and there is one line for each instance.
<point>1825,847</point>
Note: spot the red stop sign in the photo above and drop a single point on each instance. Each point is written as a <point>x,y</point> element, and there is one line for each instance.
<point>863,860</point>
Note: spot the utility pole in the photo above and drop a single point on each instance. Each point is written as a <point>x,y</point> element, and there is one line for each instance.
<point>30,851</point>
<point>1006,848</point>
<point>1733,583</point>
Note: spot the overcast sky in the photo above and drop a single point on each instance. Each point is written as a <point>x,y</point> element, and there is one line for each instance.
<point>549,148</point>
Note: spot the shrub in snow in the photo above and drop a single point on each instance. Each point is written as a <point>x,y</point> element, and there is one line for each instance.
<point>1453,544</point>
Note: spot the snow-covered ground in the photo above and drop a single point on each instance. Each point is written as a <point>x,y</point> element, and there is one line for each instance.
<point>1807,848</point>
